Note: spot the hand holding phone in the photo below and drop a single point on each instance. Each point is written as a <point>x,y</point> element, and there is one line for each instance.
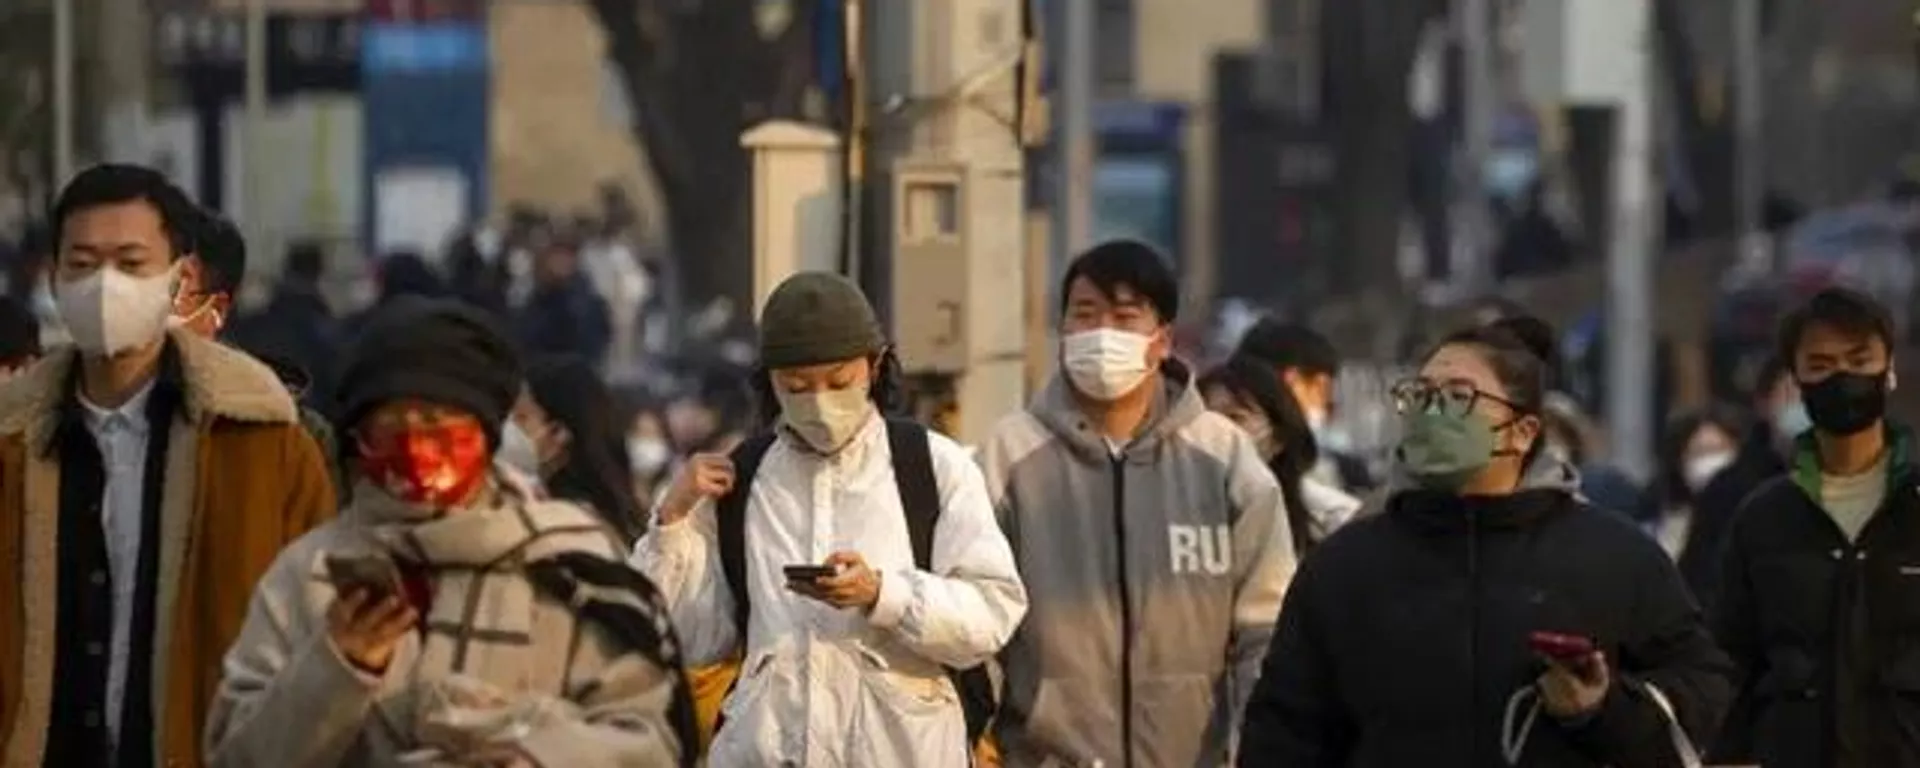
<point>371,573</point>
<point>809,573</point>
<point>1566,649</point>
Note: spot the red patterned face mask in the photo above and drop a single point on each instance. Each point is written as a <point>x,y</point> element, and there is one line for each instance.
<point>431,465</point>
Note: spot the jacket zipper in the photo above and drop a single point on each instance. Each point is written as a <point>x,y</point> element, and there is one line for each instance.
<point>1473,635</point>
<point>1126,612</point>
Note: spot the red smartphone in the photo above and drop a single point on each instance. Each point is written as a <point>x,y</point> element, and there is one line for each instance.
<point>1562,648</point>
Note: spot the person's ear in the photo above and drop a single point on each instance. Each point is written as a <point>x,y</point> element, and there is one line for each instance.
<point>1527,432</point>
<point>1161,347</point>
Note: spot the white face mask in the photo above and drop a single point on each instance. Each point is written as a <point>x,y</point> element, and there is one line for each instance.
<point>1700,470</point>
<point>109,311</point>
<point>826,421</point>
<point>517,449</point>
<point>647,455</point>
<point>1105,363</point>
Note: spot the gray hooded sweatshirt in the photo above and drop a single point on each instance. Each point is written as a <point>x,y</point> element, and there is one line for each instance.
<point>1155,574</point>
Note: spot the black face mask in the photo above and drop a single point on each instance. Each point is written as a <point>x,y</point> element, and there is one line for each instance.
<point>1845,403</point>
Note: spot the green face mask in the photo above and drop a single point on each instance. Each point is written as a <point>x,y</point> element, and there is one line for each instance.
<point>1444,451</point>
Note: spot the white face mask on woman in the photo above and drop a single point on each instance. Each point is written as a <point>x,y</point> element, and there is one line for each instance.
<point>1105,363</point>
<point>109,311</point>
<point>826,420</point>
<point>647,455</point>
<point>1699,470</point>
<point>517,450</point>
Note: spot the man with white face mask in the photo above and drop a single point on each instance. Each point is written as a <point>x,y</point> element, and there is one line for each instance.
<point>1150,532</point>
<point>850,559</point>
<point>150,476</point>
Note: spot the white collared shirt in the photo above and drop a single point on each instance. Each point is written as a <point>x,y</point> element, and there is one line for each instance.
<point>121,434</point>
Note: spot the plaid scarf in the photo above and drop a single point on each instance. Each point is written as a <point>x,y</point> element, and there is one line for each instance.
<point>481,617</point>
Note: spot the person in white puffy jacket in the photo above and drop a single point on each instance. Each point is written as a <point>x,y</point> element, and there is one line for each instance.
<point>851,668</point>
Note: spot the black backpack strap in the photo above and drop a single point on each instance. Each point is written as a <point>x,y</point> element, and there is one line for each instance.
<point>919,489</point>
<point>624,604</point>
<point>730,520</point>
<point>918,485</point>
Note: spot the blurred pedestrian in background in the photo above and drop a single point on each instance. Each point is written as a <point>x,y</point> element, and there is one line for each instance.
<point>576,427</point>
<point>443,619</point>
<point>1151,535</point>
<point>1816,601</point>
<point>1697,447</point>
<point>564,315</point>
<point>149,474</point>
<point>851,561</point>
<point>222,255</point>
<point>651,454</point>
<point>1411,638</point>
<point>1245,391</point>
<point>298,324</point>
<point>1307,363</point>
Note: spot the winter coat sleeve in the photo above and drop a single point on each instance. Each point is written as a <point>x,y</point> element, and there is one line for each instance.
<point>1263,560</point>
<point>1736,625</point>
<point>1672,652</point>
<point>683,561</point>
<point>966,608</point>
<point>1294,716</point>
<point>287,696</point>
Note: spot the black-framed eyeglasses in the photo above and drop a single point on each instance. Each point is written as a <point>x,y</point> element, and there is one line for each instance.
<point>1454,398</point>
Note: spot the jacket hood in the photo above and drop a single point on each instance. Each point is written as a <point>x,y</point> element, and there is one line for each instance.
<point>1175,405</point>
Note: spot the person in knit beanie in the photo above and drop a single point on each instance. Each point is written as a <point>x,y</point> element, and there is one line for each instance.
<point>506,628</point>
<point>827,364</point>
<point>804,537</point>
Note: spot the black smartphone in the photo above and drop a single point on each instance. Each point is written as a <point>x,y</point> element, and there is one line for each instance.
<point>373,573</point>
<point>809,573</point>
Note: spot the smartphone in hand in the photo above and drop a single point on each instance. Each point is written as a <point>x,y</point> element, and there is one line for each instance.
<point>1566,649</point>
<point>807,574</point>
<point>376,574</point>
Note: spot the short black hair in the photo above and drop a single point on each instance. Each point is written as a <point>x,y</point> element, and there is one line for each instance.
<point>1130,263</point>
<point>19,332</point>
<point>1842,309</point>
<point>223,254</point>
<point>116,184</point>
<point>1290,346</point>
<point>306,260</point>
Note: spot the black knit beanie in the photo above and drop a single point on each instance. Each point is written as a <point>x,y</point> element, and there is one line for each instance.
<point>437,350</point>
<point>814,318</point>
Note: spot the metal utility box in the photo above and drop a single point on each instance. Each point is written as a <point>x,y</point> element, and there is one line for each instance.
<point>931,278</point>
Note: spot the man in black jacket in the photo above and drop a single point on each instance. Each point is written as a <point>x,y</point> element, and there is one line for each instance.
<point>1820,598</point>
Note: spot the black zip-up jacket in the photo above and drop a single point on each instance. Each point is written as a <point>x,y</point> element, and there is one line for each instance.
<point>1405,636</point>
<point>1826,632</point>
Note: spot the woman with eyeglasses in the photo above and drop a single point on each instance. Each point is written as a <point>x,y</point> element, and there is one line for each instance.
<point>1489,616</point>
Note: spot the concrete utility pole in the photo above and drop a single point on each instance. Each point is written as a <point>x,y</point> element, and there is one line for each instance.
<point>122,80</point>
<point>253,167</point>
<point>1750,162</point>
<point>1073,147</point>
<point>947,172</point>
<point>1473,239</point>
<point>1630,337</point>
<point>62,92</point>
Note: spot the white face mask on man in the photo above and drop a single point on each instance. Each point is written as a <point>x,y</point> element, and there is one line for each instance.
<point>1105,363</point>
<point>109,311</point>
<point>826,420</point>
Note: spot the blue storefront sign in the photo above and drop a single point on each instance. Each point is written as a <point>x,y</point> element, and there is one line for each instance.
<point>426,90</point>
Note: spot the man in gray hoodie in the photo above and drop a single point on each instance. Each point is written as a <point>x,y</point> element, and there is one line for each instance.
<point>1151,535</point>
